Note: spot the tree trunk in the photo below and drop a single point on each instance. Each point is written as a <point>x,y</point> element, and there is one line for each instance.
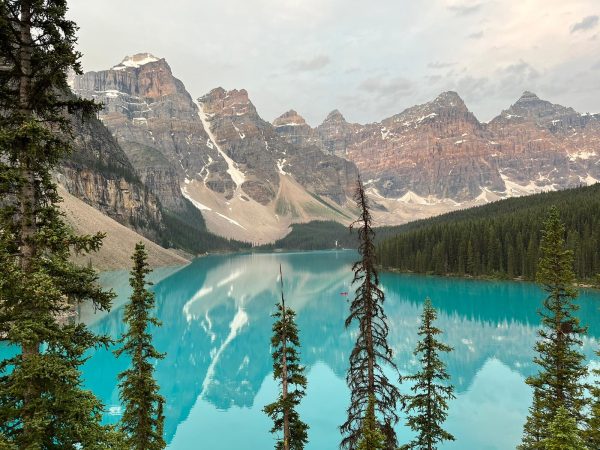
<point>27,203</point>
<point>284,394</point>
<point>284,371</point>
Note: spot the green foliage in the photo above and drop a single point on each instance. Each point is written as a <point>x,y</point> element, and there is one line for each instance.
<point>427,407</point>
<point>142,421</point>
<point>187,230</point>
<point>563,433</point>
<point>559,382</point>
<point>500,239</point>
<point>365,378</point>
<point>42,401</point>
<point>288,371</point>
<point>591,433</point>
<point>315,235</point>
<point>371,436</point>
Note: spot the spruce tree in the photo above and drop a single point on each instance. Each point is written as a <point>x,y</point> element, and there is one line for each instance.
<point>371,436</point>
<point>591,432</point>
<point>288,371</point>
<point>372,394</point>
<point>427,407</point>
<point>559,381</point>
<point>142,421</point>
<point>42,402</point>
<point>563,433</point>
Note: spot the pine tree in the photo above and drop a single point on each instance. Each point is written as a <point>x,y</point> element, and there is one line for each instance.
<point>371,436</point>
<point>289,372</point>
<point>559,382</point>
<point>563,433</point>
<point>372,394</point>
<point>591,434</point>
<point>427,407</point>
<point>42,402</point>
<point>142,421</point>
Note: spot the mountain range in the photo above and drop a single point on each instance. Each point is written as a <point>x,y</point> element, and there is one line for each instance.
<point>156,151</point>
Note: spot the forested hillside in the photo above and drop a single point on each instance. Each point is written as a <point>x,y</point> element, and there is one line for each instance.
<point>315,235</point>
<point>499,239</point>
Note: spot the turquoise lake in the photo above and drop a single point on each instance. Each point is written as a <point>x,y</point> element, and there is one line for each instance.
<point>216,333</point>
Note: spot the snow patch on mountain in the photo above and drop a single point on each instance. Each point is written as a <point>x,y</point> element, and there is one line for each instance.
<point>589,180</point>
<point>514,189</point>
<point>411,197</point>
<point>234,172</point>
<point>136,61</point>
<point>280,166</point>
<point>196,203</point>
<point>582,155</point>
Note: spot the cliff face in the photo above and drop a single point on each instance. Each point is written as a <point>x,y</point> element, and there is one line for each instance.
<point>439,151</point>
<point>145,105</point>
<point>335,134</point>
<point>261,153</point>
<point>244,173</point>
<point>157,174</point>
<point>545,146</point>
<point>99,173</point>
<point>245,141</point>
<point>216,152</point>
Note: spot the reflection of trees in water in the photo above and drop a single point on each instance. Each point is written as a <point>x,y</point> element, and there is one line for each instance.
<point>217,324</point>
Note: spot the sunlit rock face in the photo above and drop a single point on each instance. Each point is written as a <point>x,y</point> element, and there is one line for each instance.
<point>264,151</point>
<point>244,172</point>
<point>145,105</point>
<point>440,151</point>
<point>99,172</point>
<point>219,140</point>
<point>543,146</point>
<point>216,151</point>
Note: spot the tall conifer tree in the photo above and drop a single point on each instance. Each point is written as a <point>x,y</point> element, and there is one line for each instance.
<point>142,421</point>
<point>288,371</point>
<point>42,402</point>
<point>563,433</point>
<point>371,436</point>
<point>372,394</point>
<point>427,407</point>
<point>559,382</point>
<point>591,433</point>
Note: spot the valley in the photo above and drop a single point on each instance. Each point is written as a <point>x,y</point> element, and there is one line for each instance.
<point>251,179</point>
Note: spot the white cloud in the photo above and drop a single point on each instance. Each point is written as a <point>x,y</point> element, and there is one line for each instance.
<point>318,55</point>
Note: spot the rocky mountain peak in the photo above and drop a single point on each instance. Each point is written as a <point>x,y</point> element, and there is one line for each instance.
<point>136,61</point>
<point>228,103</point>
<point>446,107</point>
<point>450,99</point>
<point>531,102</point>
<point>290,118</point>
<point>527,97</point>
<point>529,107</point>
<point>335,117</point>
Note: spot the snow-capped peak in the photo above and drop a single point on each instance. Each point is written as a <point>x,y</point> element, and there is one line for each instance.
<point>135,61</point>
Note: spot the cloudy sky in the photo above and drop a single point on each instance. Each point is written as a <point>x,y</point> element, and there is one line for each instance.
<point>368,59</point>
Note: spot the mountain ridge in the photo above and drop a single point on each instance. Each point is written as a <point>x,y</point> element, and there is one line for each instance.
<point>224,157</point>
<point>251,178</point>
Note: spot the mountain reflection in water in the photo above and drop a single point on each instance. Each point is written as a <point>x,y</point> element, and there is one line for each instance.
<point>216,333</point>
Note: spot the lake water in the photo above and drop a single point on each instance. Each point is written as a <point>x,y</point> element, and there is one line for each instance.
<point>216,332</point>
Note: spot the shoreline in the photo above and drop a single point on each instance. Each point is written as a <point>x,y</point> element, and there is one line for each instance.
<point>578,284</point>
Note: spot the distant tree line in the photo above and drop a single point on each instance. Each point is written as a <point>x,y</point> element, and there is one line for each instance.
<point>187,230</point>
<point>501,239</point>
<point>315,235</point>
